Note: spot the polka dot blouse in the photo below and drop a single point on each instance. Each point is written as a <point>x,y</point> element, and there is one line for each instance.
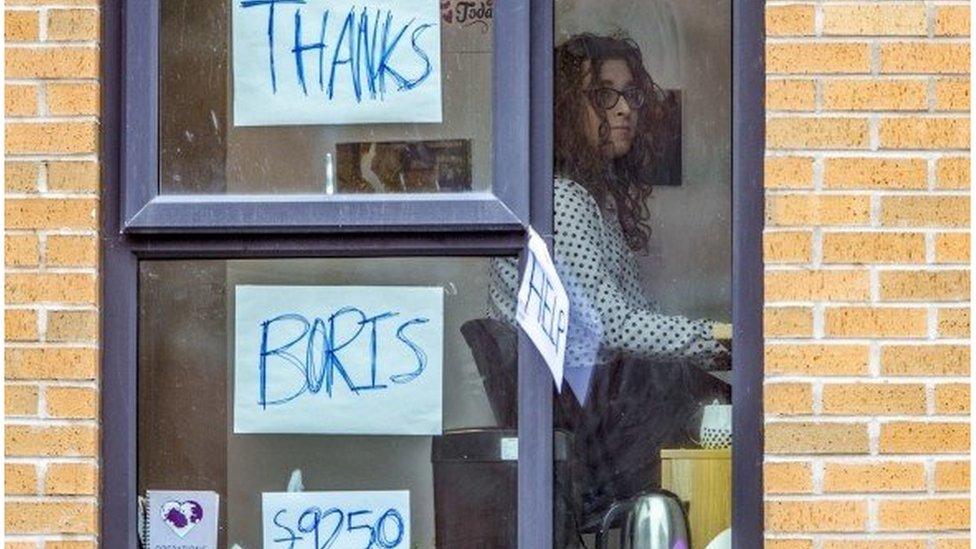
<point>609,312</point>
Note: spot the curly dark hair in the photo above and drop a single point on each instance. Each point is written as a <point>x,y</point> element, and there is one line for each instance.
<point>626,180</point>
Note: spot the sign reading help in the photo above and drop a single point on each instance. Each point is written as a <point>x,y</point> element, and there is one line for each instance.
<point>338,360</point>
<point>336,520</point>
<point>336,62</point>
<point>543,306</point>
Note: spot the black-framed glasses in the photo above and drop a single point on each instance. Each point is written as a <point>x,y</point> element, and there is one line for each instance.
<point>606,97</point>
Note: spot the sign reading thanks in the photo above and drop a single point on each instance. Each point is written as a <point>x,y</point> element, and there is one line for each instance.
<point>336,62</point>
<point>338,360</point>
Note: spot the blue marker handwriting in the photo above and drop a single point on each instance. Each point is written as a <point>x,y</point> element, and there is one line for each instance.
<point>338,527</point>
<point>342,351</point>
<point>366,51</point>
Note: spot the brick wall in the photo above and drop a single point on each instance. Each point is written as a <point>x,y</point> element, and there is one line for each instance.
<point>867,278</point>
<point>867,251</point>
<point>51,243</point>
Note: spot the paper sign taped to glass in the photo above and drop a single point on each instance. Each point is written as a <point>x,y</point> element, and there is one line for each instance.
<point>305,62</point>
<point>338,360</point>
<point>338,520</point>
<point>543,306</point>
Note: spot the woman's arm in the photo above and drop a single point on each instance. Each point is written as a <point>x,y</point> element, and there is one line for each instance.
<point>600,302</point>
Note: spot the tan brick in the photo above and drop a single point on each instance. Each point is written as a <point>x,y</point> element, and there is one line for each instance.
<point>46,3</point>
<point>71,251</point>
<point>816,516</point>
<point>788,398</point>
<point>925,515</point>
<point>924,133</point>
<point>952,476</point>
<point>816,209</point>
<point>874,477</point>
<point>62,288</point>
<point>816,133</point>
<point>788,322</point>
<point>74,440</point>
<point>21,177</point>
<point>789,20</point>
<point>817,285</point>
<point>925,360</point>
<point>952,248</point>
<point>20,100</point>
<point>70,479</point>
<point>875,95</point>
<point>787,247</point>
<point>952,398</point>
<point>952,94</point>
<point>72,325</point>
<point>952,543</point>
<point>816,438</point>
<point>21,25</point>
<point>72,402</point>
<point>816,360</point>
<point>924,285</point>
<point>780,543</point>
<point>20,400</point>
<point>73,544</point>
<point>874,19</point>
<point>20,325</point>
<point>72,98</point>
<point>952,20</point>
<point>26,517</point>
<point>72,176</point>
<point>875,322</point>
<point>875,173</point>
<point>925,58</point>
<point>910,437</point>
<point>19,479</point>
<point>72,24</point>
<point>954,322</point>
<point>51,363</point>
<point>21,250</point>
<point>52,137</point>
<point>788,172</point>
<point>952,172</point>
<point>52,62</point>
<point>873,248</point>
<point>818,58</point>
<point>51,213</point>
<point>851,399</point>
<point>790,95</point>
<point>787,478</point>
<point>875,544</point>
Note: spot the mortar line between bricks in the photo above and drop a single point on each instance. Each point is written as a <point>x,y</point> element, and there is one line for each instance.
<point>884,342</point>
<point>854,419</point>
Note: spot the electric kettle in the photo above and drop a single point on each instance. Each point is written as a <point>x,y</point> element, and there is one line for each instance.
<point>654,520</point>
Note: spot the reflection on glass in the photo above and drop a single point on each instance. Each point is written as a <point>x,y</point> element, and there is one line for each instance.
<point>186,396</point>
<point>642,224</point>
<point>203,152</point>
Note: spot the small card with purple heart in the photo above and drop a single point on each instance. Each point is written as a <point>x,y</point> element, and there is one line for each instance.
<point>182,519</point>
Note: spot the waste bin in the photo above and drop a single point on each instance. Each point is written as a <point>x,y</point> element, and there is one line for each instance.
<point>476,489</point>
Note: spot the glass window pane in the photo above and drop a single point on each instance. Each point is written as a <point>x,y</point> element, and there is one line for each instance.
<point>642,233</point>
<point>187,439</point>
<point>202,151</point>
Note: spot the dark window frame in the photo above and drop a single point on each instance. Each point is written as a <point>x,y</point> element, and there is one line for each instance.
<point>137,224</point>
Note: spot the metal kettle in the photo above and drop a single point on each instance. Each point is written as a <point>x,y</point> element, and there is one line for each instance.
<point>654,520</point>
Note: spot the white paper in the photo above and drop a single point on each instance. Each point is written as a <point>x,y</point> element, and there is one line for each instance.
<point>337,520</point>
<point>543,306</point>
<point>375,365</point>
<point>336,62</point>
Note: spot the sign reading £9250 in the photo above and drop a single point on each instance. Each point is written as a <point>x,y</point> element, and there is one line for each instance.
<point>338,359</point>
<point>336,62</point>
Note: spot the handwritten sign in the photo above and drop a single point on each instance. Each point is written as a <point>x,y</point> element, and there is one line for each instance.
<point>336,62</point>
<point>336,520</point>
<point>338,359</point>
<point>543,306</point>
